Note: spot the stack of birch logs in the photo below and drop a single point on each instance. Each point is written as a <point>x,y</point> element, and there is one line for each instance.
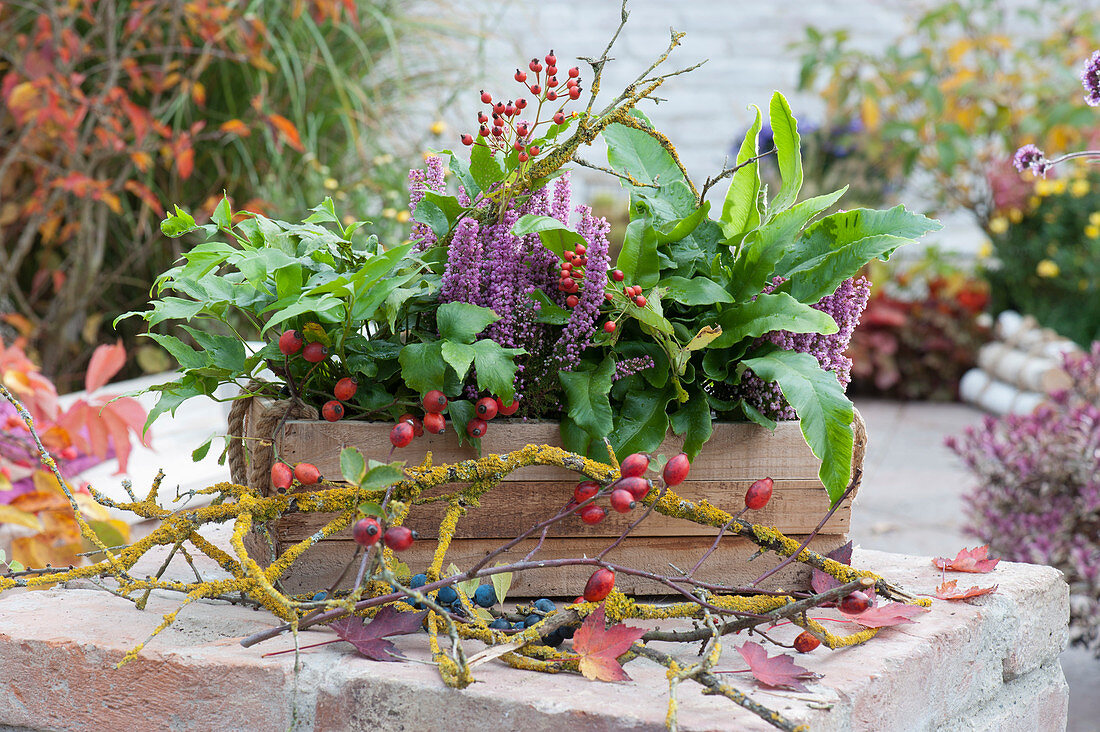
<point>1018,368</point>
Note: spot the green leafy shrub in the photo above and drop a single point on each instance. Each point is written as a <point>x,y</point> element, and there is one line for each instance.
<point>1046,253</point>
<point>113,108</point>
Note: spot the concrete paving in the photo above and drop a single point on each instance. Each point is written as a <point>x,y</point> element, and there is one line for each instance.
<point>911,502</point>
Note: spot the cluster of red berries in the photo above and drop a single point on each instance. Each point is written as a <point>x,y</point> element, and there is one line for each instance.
<point>367,531</point>
<point>283,475</point>
<point>631,487</point>
<point>434,402</point>
<point>505,132</point>
<point>292,341</point>
<point>633,293</point>
<point>571,273</point>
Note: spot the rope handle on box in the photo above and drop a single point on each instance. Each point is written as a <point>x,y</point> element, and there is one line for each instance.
<point>859,446</point>
<point>250,461</point>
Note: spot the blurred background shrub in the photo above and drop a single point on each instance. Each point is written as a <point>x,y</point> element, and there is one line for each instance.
<point>921,330</point>
<point>961,90</point>
<point>113,109</point>
<point>1045,252</point>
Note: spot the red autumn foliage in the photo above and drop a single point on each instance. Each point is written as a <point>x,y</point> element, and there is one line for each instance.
<point>949,591</point>
<point>890,614</point>
<point>370,638</point>
<point>599,647</point>
<point>968,560</point>
<point>780,672</point>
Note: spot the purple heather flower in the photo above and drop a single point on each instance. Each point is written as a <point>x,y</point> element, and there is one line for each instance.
<point>578,332</point>
<point>1031,157</point>
<point>846,307</point>
<point>1090,78</point>
<point>1038,488</point>
<point>420,182</point>
<point>631,366</point>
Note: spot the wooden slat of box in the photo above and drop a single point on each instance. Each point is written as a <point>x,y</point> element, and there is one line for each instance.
<point>511,508</point>
<point>729,565</point>
<point>737,451</point>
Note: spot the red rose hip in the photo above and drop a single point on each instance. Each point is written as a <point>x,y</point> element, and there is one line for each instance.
<point>399,538</point>
<point>307,473</point>
<point>486,408</point>
<point>759,494</point>
<point>290,342</point>
<point>417,425</point>
<point>855,603</point>
<point>366,531</point>
<point>636,484</point>
<point>435,401</point>
<point>585,490</point>
<point>676,469</point>
<point>401,434</point>
<point>506,409</point>
<point>634,465</point>
<point>435,424</point>
<point>599,585</point>
<point>282,475</point>
<point>805,642</point>
<point>476,427</point>
<point>345,388</point>
<point>622,500</point>
<point>592,514</point>
<point>333,411</point>
<point>315,352</point>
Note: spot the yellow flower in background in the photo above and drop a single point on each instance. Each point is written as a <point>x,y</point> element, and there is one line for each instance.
<point>1015,215</point>
<point>389,213</point>
<point>1044,187</point>
<point>985,251</point>
<point>402,216</point>
<point>1058,187</point>
<point>1092,231</point>
<point>1079,188</point>
<point>1094,218</point>
<point>438,127</point>
<point>998,225</point>
<point>1033,202</point>
<point>1047,268</point>
<point>331,184</point>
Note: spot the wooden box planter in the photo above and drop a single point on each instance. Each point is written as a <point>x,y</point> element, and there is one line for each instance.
<point>736,455</point>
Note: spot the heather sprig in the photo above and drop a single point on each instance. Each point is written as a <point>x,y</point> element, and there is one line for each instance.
<point>845,306</point>
<point>1037,497</point>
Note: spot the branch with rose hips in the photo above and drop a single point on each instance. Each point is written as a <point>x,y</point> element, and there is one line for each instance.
<point>376,500</point>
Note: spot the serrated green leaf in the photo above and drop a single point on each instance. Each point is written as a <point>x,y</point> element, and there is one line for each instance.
<point>638,258</point>
<point>468,587</point>
<point>223,214</point>
<point>15,566</point>
<point>461,412</point>
<point>496,368</point>
<point>178,223</point>
<point>459,356</point>
<point>462,322</point>
<point>382,475</point>
<point>428,212</point>
<point>548,312</point>
<point>642,423</point>
<point>824,412</point>
<point>371,508</point>
<point>186,357</point>
<point>352,465</point>
<point>422,366</point>
<point>200,452</point>
<point>460,168</point>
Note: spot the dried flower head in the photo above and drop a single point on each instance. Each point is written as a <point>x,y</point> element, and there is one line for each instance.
<point>1030,157</point>
<point>1090,78</point>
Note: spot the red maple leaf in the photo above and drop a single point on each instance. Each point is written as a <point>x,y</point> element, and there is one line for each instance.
<point>950,591</point>
<point>780,672</point>
<point>599,647</point>
<point>884,616</point>
<point>370,638</point>
<point>968,560</point>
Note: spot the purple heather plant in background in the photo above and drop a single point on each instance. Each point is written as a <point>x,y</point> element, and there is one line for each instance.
<point>846,306</point>
<point>1038,494</point>
<point>489,266</point>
